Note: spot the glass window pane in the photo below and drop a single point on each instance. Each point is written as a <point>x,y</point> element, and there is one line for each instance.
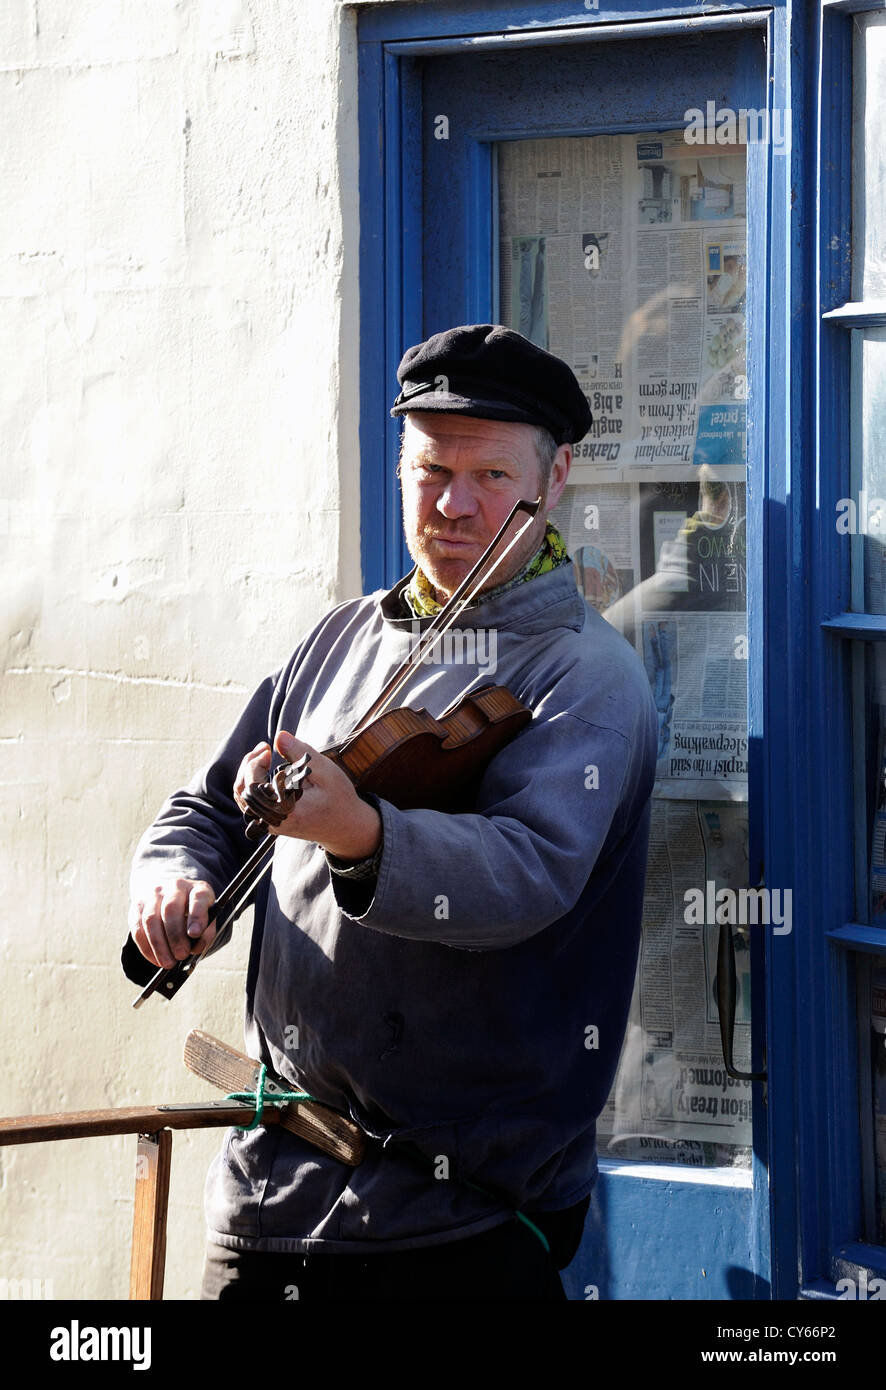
<point>871,995</point>
<point>626,255</point>
<point>863,515</point>
<point>869,158</point>
<point>878,1089</point>
<point>868,668</point>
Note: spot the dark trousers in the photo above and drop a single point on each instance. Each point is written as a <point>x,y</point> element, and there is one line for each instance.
<point>508,1262</point>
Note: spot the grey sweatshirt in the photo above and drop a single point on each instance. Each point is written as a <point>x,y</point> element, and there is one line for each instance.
<point>467,1009</point>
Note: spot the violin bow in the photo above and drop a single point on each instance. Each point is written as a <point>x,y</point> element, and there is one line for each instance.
<point>287,784</point>
<point>273,802</point>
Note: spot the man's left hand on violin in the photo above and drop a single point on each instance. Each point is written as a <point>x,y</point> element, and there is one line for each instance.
<point>329,810</point>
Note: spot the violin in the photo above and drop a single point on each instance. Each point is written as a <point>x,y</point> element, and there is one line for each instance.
<point>404,755</point>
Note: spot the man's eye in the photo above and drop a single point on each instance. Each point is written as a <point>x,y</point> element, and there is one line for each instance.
<point>496,473</point>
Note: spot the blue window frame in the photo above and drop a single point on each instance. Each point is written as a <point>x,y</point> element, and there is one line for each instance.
<point>850,634</point>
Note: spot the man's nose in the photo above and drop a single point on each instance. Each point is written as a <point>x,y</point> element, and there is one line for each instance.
<point>457,498</point>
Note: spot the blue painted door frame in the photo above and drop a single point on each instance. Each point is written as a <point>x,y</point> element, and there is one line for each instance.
<point>797,681</point>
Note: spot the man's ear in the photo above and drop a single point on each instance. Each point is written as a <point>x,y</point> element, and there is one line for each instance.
<point>401,446</point>
<point>559,473</point>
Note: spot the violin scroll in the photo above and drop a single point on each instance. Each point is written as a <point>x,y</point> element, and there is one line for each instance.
<point>269,803</point>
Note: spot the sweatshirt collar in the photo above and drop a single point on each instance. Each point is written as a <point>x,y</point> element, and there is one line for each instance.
<point>550,600</point>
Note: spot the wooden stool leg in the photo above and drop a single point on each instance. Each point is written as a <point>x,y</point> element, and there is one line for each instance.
<point>152,1168</point>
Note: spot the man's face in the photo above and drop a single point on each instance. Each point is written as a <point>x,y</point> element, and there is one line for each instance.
<point>460,477</point>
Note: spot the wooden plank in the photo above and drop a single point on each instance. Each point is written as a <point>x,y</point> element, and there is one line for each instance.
<point>231,1070</point>
<point>135,1119</point>
<point>152,1168</point>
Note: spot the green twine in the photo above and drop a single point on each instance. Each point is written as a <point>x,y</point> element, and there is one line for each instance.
<point>521,1216</point>
<point>258,1099</point>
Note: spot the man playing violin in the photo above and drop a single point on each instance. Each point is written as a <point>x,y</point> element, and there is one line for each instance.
<point>458,984</point>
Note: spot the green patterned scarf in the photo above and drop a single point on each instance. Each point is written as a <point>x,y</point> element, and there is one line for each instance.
<point>419,594</point>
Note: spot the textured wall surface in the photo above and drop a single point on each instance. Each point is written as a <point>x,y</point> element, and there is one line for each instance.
<point>179,502</point>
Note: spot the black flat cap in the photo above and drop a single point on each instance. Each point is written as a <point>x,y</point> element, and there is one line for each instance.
<point>487,370</point>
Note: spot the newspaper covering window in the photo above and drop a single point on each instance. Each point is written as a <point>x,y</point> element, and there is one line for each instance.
<point>878,1090</point>
<point>626,255</point>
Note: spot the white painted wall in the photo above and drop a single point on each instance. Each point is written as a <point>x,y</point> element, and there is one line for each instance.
<point>178,503</point>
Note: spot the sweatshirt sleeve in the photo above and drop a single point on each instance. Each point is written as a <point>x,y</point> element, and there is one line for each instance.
<point>487,880</point>
<point>199,832</point>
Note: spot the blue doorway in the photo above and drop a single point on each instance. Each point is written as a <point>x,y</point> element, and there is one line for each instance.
<point>558,189</point>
